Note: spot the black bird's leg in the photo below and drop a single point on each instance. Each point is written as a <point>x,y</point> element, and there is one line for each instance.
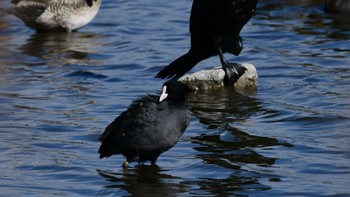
<point>125,165</point>
<point>222,59</point>
<point>233,71</point>
<point>154,164</point>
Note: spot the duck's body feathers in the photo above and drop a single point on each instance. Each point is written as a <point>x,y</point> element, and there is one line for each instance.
<point>55,15</point>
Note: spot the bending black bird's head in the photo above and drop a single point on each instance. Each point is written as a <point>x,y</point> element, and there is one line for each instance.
<point>172,90</point>
<point>237,46</point>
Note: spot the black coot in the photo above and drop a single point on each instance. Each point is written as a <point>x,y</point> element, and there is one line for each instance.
<point>150,126</point>
<point>215,26</point>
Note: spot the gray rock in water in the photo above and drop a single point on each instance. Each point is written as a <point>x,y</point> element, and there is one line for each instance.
<point>214,78</point>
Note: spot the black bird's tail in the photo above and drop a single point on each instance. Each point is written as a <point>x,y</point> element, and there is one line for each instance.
<point>179,67</point>
<point>108,146</point>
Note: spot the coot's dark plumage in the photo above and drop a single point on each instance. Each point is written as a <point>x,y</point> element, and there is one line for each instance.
<point>150,126</point>
<point>215,26</point>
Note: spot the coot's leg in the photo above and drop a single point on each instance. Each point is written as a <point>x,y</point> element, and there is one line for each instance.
<point>233,71</point>
<point>125,165</point>
<point>154,160</point>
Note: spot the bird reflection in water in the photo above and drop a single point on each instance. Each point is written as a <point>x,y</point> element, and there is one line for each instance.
<point>145,180</point>
<point>221,109</point>
<point>63,48</point>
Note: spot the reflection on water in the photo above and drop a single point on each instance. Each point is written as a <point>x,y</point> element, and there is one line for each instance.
<point>306,19</point>
<point>64,48</point>
<point>226,146</point>
<point>145,180</point>
<point>58,92</point>
<point>220,106</point>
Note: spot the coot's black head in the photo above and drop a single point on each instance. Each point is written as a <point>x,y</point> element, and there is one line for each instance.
<point>172,90</point>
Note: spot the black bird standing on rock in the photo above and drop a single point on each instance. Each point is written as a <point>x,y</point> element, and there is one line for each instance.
<point>215,26</point>
<point>150,126</point>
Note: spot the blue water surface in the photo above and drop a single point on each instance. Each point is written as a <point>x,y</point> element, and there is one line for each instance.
<point>290,137</point>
